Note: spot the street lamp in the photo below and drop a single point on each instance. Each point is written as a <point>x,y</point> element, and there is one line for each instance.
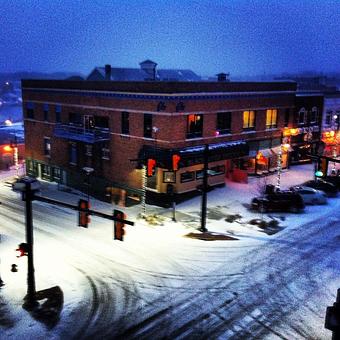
<point>88,172</point>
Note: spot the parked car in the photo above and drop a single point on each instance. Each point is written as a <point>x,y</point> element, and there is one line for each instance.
<point>335,180</point>
<point>310,195</point>
<point>279,201</point>
<point>319,184</point>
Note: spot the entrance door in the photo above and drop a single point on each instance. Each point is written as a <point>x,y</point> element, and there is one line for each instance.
<point>88,123</point>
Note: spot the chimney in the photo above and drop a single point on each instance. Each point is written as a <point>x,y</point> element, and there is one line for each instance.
<point>222,77</point>
<point>107,72</point>
<point>149,67</point>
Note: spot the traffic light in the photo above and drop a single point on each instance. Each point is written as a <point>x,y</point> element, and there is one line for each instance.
<point>22,250</point>
<point>83,215</point>
<point>119,226</point>
<point>150,171</point>
<point>175,161</point>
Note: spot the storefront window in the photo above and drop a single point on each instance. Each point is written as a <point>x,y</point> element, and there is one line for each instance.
<point>187,176</point>
<point>169,177</point>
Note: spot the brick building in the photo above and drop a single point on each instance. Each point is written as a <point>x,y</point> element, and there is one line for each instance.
<point>114,127</point>
<point>304,136</point>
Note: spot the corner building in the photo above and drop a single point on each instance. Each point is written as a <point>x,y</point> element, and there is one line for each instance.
<point>115,127</point>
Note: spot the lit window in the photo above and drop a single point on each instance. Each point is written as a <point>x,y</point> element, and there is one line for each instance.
<point>194,126</point>
<point>47,146</point>
<point>169,177</point>
<point>248,119</point>
<point>271,118</point>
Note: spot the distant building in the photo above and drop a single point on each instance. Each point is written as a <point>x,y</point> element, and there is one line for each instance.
<point>147,71</point>
<point>115,127</point>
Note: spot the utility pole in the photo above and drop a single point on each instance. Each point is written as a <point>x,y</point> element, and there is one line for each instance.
<point>204,189</point>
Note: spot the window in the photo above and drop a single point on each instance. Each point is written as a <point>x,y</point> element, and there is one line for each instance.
<point>169,177</point>
<point>30,110</point>
<point>45,171</point>
<point>105,153</point>
<point>47,146</point>
<point>301,116</point>
<point>101,122</point>
<point>187,176</point>
<point>249,120</point>
<point>328,118</point>
<point>314,115</point>
<point>194,126</point>
<point>199,174</point>
<point>217,170</point>
<point>73,153</point>
<point>223,123</point>
<point>88,150</point>
<point>125,123</point>
<point>56,174</point>
<point>58,113</point>
<point>148,125</point>
<point>271,118</point>
<point>75,118</point>
<point>286,122</point>
<point>45,112</point>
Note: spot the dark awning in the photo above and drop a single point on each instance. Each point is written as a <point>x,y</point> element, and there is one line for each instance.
<point>194,154</point>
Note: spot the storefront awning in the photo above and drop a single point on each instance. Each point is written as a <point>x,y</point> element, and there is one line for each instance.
<point>195,154</point>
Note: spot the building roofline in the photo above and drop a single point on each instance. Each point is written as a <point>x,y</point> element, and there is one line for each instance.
<point>167,87</point>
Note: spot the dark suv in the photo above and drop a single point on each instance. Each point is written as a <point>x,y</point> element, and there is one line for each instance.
<point>279,201</point>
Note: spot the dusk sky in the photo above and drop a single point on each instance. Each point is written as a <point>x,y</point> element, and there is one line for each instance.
<point>240,37</point>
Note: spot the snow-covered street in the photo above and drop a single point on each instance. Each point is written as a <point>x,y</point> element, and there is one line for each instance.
<point>159,283</point>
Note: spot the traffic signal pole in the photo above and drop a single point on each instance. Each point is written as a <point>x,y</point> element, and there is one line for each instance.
<point>204,189</point>
<point>30,299</point>
<point>28,187</point>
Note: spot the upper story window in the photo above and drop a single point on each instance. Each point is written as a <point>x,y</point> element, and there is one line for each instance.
<point>58,113</point>
<point>194,126</point>
<point>88,150</point>
<point>73,153</point>
<point>75,118</point>
<point>271,118</point>
<point>101,122</point>
<point>223,123</point>
<point>328,118</point>
<point>30,110</point>
<point>125,123</point>
<point>45,112</point>
<point>287,113</point>
<point>249,120</point>
<point>314,115</point>
<point>302,116</point>
<point>47,146</point>
<point>147,125</point>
